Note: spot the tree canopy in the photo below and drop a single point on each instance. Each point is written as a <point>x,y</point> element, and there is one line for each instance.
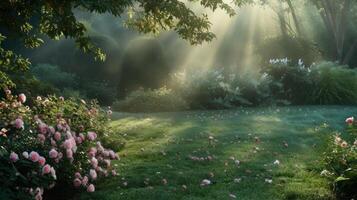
<point>29,20</point>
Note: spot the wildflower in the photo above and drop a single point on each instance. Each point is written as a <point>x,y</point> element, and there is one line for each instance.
<point>41,138</point>
<point>268,181</point>
<point>14,157</point>
<point>276,162</point>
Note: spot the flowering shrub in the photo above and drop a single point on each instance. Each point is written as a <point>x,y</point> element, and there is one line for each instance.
<point>55,141</point>
<point>341,162</point>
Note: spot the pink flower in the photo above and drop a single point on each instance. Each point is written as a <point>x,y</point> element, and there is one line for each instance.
<point>51,129</point>
<point>46,169</point>
<point>94,162</point>
<point>53,173</point>
<point>69,153</point>
<point>90,188</point>
<point>93,174</point>
<point>34,156</point>
<point>53,153</point>
<point>84,180</point>
<point>41,161</point>
<point>42,128</point>
<point>41,138</point>
<point>79,140</point>
<point>78,175</point>
<point>114,173</point>
<point>91,135</point>
<point>77,182</point>
<point>22,98</point>
<point>112,154</point>
<point>14,157</point>
<point>350,120</point>
<point>57,136</point>
<point>106,153</point>
<point>19,123</point>
<point>81,135</point>
<point>67,144</point>
<point>107,162</point>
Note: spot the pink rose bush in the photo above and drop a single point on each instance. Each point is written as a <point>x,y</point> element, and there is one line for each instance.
<point>53,141</point>
<point>341,162</point>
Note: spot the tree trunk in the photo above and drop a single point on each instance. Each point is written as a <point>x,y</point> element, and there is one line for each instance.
<point>296,21</point>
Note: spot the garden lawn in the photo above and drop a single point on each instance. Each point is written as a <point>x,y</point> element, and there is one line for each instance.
<point>164,146</point>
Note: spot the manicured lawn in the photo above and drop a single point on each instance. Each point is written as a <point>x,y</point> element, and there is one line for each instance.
<point>164,146</point>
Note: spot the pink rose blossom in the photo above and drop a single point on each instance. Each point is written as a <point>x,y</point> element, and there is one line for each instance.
<point>46,169</point>
<point>69,153</point>
<point>53,153</point>
<point>51,129</point>
<point>53,173</point>
<point>14,157</point>
<point>34,156</point>
<point>78,175</point>
<point>350,120</point>
<point>60,155</point>
<point>91,135</point>
<point>67,144</point>
<point>22,98</point>
<point>79,140</point>
<point>94,162</point>
<point>57,136</point>
<point>114,173</point>
<point>77,182</point>
<point>90,188</point>
<point>19,123</point>
<point>93,174</point>
<point>41,138</point>
<point>42,128</point>
<point>41,161</point>
<point>84,180</point>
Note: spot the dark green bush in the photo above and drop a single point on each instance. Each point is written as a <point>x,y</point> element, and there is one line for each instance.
<point>333,84</point>
<point>158,100</point>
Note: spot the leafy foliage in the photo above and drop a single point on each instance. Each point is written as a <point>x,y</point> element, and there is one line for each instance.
<point>334,84</point>
<point>158,100</point>
<point>341,162</point>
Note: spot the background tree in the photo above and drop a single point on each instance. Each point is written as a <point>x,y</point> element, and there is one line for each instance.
<point>29,21</point>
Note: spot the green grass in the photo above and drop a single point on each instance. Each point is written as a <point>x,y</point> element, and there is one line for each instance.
<point>158,147</point>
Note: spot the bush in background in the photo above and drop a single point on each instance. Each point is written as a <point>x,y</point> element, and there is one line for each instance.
<point>157,100</point>
<point>333,84</point>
